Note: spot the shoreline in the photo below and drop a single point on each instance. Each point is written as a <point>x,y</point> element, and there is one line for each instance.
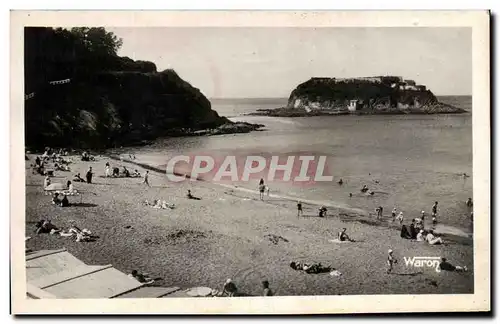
<point>345,212</point>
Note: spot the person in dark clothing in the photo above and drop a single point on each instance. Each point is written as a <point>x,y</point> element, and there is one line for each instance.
<point>405,233</point>
<point>469,202</point>
<point>446,266</point>
<point>38,161</point>
<point>126,172</point>
<point>340,182</point>
<point>65,201</point>
<point>89,175</point>
<point>229,288</point>
<point>267,291</point>
<point>413,230</point>
<point>322,212</point>
<point>190,196</point>
<point>299,209</point>
<point>116,172</point>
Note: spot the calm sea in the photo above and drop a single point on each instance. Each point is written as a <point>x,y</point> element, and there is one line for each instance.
<point>409,161</point>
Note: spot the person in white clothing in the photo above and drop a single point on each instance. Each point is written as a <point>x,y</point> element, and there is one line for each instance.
<point>420,236</point>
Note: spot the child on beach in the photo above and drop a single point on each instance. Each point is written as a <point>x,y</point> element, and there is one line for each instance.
<point>299,209</point>
<point>107,170</point>
<point>393,214</point>
<point>146,178</point>
<point>390,261</point>
<point>400,217</point>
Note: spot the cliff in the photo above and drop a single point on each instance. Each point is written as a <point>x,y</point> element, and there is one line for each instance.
<point>368,95</point>
<point>80,94</point>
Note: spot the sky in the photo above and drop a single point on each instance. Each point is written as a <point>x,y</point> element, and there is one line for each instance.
<point>271,62</point>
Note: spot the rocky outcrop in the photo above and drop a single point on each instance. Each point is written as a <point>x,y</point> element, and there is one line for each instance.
<point>85,96</point>
<point>370,95</point>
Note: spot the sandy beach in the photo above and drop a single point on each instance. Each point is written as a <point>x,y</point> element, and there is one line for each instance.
<point>227,234</point>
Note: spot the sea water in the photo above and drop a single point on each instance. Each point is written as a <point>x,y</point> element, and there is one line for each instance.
<point>410,161</point>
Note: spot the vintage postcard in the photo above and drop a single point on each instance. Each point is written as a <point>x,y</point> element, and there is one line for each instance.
<point>250,162</point>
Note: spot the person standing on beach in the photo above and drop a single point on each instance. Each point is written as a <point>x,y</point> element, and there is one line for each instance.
<point>146,178</point>
<point>434,213</point>
<point>108,170</point>
<point>394,214</point>
<point>262,188</point>
<point>390,261</point>
<point>299,209</point>
<point>400,217</point>
<point>89,175</point>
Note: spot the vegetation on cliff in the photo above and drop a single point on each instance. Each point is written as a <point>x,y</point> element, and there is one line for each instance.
<point>80,93</point>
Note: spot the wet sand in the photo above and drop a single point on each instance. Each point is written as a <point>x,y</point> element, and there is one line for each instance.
<point>228,234</point>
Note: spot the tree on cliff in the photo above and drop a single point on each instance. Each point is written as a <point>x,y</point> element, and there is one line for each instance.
<point>98,40</point>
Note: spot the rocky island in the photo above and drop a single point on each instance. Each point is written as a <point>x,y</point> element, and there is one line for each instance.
<point>80,94</point>
<point>360,96</point>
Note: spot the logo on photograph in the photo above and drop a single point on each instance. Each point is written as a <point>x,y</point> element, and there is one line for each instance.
<point>297,169</point>
<point>420,262</point>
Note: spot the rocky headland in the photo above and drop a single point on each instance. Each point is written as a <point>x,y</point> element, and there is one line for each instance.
<point>80,94</point>
<point>360,96</point>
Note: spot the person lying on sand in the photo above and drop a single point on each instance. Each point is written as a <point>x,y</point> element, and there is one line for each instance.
<point>310,268</point>
<point>137,174</point>
<point>116,172</point>
<point>61,167</point>
<point>46,226</point>
<point>142,278</point>
<point>432,240</point>
<point>190,196</point>
<point>400,218</point>
<point>229,288</point>
<point>446,266</point>
<point>81,235</point>
<point>126,172</point>
<point>342,236</point>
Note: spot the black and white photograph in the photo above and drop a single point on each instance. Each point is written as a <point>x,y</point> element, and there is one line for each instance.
<point>230,164</point>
